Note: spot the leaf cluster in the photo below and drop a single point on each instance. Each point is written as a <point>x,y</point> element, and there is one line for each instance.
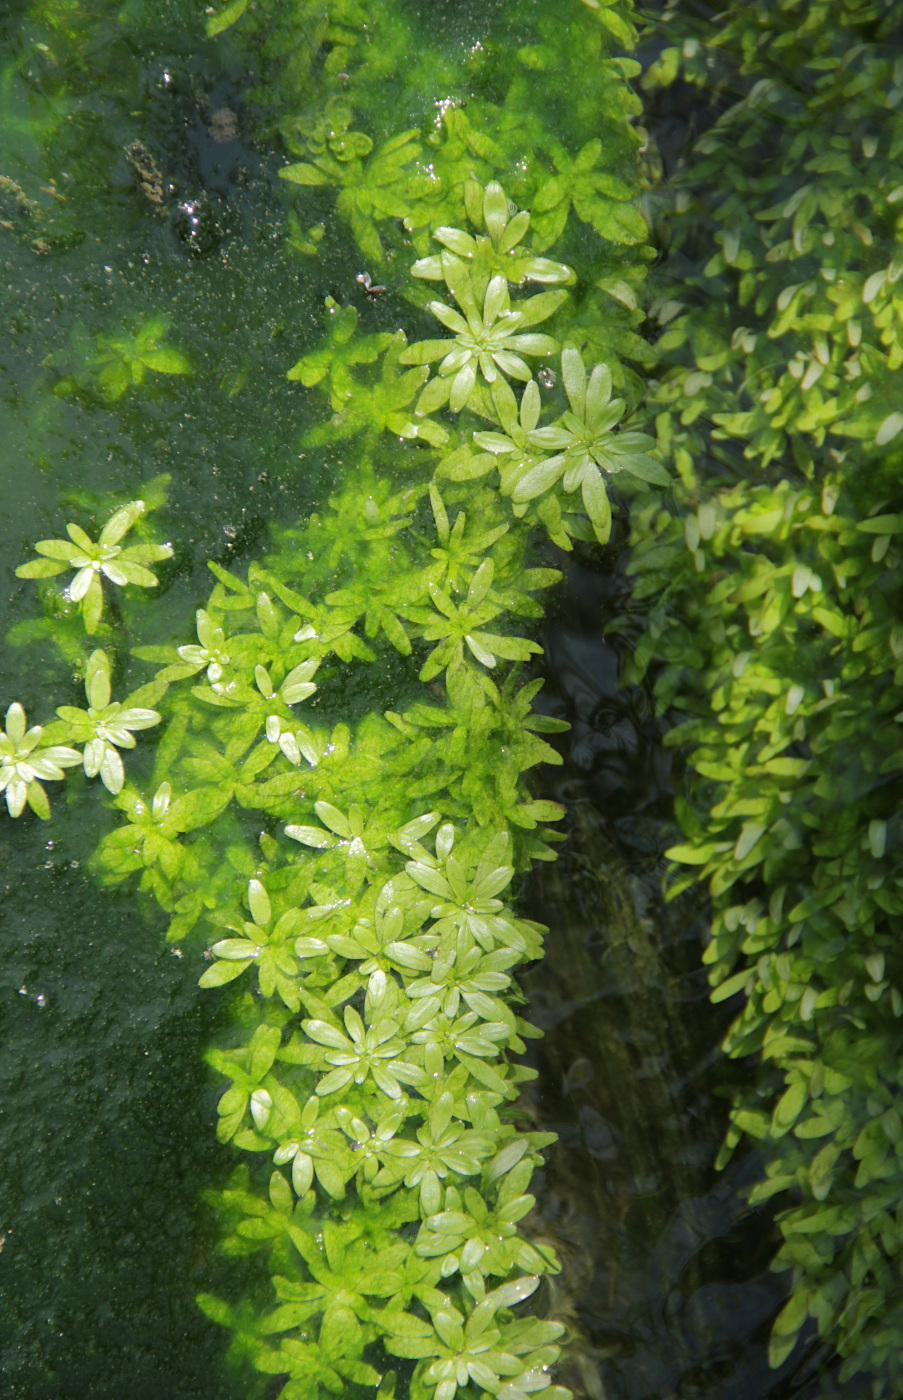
<point>773,623</point>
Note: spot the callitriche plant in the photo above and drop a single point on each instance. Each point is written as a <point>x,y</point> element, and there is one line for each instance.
<point>372,930</point>
<point>93,562</point>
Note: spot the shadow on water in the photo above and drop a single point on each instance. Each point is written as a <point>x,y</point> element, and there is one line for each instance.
<point>103,1139</point>
<point>665,1280</point>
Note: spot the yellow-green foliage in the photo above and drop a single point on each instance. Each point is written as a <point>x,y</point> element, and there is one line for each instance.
<point>774,620</point>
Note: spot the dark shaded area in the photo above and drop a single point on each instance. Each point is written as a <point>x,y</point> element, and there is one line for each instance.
<point>665,1282</point>
<point>106,1123</point>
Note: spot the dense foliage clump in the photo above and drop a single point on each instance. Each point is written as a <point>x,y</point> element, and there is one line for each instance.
<point>773,617</point>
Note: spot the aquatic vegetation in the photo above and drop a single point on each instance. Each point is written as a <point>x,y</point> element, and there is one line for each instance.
<point>27,757</point>
<point>105,727</point>
<point>368,927</point>
<point>381,1015</point>
<point>366,186</point>
<point>770,604</point>
<point>488,339</point>
<point>532,133</point>
<point>354,870</point>
<point>95,561</point>
<point>112,364</point>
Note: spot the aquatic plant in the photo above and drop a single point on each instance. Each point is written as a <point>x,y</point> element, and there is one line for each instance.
<point>111,365</point>
<point>770,614</point>
<point>381,1016</point>
<point>95,561</point>
<point>105,727</point>
<point>380,928</point>
<point>26,757</point>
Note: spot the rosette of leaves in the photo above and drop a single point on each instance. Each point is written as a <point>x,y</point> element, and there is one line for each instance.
<point>106,726</point>
<point>316,1147</point>
<point>490,339</point>
<point>341,350</point>
<point>462,625</point>
<point>479,1240</point>
<point>513,448</point>
<point>367,1051</point>
<point>92,562</point>
<point>261,703</point>
<point>150,841</point>
<point>440,1146</point>
<point>115,363</point>
<point>585,447</point>
<point>370,183</point>
<point>597,196</point>
<point>359,839</point>
<point>496,250</point>
<point>265,942</point>
<point>208,654</point>
<point>478,1349</point>
<point>383,406</point>
<point>28,756</point>
<point>467,911</point>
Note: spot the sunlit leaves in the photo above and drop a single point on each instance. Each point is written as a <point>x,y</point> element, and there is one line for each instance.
<point>264,941</point>
<point>366,927</point>
<point>368,184</point>
<point>27,758</point>
<point>478,1349</point>
<point>366,1051</point>
<point>93,561</point>
<point>586,447</point>
<point>490,339</point>
<point>495,250</point>
<point>106,726</point>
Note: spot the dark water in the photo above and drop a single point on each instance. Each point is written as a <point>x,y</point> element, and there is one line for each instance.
<point>666,1281</point>
<point>164,204</point>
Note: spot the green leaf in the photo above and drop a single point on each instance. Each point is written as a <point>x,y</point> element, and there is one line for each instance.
<point>788,1108</point>
<point>167,360</point>
<point>222,972</point>
<point>646,468</point>
<point>40,568</point>
<point>217,23</point>
<point>303,174</point>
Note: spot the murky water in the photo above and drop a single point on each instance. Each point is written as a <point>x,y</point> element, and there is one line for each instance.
<point>138,186</point>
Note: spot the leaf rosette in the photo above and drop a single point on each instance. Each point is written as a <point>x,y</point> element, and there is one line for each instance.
<point>489,339</point>
<point>495,250</point>
<point>106,726</point>
<point>585,445</point>
<point>26,757</point>
<point>93,561</point>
